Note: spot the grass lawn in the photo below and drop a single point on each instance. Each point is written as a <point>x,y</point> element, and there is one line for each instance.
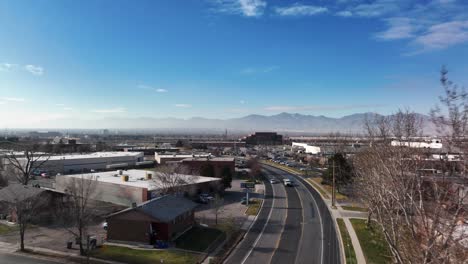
<point>4,229</point>
<point>254,207</point>
<point>328,188</point>
<point>354,208</point>
<point>318,187</point>
<point>372,242</point>
<point>198,238</point>
<point>128,255</point>
<point>347,244</point>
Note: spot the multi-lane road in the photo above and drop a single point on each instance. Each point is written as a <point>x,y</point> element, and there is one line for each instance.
<point>293,226</point>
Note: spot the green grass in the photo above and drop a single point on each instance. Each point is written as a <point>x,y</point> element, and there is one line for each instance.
<point>198,238</point>
<point>128,255</point>
<point>4,229</point>
<point>328,188</point>
<point>372,242</point>
<point>347,244</point>
<point>254,207</point>
<point>319,188</point>
<point>354,208</point>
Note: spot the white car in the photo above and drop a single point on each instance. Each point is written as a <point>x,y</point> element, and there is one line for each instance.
<point>273,181</point>
<point>287,183</point>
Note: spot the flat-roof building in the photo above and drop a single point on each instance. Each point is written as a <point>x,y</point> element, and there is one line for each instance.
<point>136,186</point>
<point>75,163</point>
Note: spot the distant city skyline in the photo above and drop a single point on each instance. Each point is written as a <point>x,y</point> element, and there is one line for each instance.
<point>92,60</point>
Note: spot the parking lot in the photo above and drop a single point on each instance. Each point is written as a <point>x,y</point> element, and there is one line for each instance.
<point>232,207</point>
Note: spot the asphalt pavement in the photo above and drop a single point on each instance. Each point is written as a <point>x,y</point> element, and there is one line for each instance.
<point>294,226</point>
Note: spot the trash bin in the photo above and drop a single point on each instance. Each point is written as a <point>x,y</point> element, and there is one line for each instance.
<point>69,244</point>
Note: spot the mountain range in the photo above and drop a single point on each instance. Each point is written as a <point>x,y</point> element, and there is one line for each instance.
<point>283,122</point>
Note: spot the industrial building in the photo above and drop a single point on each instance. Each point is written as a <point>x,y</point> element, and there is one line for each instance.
<point>305,148</point>
<point>136,186</point>
<point>210,167</point>
<point>162,159</point>
<point>264,138</point>
<point>72,163</point>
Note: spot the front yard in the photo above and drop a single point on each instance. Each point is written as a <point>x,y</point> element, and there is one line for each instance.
<point>137,256</point>
<point>5,229</point>
<point>198,238</point>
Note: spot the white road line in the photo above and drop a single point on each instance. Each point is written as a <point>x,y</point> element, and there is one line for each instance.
<point>320,218</point>
<point>263,229</point>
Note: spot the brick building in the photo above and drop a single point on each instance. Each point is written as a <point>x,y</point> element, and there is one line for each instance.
<point>162,218</point>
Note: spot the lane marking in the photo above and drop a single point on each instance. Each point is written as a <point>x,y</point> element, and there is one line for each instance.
<point>285,216</point>
<point>318,210</point>
<point>263,229</point>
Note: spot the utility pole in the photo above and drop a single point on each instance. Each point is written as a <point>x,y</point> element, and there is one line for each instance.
<point>333,184</point>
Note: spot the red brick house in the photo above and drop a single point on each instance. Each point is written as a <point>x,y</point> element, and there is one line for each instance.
<point>161,218</point>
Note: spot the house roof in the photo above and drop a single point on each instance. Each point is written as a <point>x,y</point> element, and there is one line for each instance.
<point>164,209</point>
<point>17,192</point>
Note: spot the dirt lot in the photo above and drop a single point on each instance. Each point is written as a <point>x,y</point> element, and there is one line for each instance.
<point>54,238</point>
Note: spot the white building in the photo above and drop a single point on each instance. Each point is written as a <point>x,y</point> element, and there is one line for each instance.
<point>432,144</point>
<point>74,163</point>
<point>162,159</point>
<point>305,148</point>
<point>135,186</point>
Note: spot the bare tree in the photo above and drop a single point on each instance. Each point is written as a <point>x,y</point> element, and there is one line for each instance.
<point>24,203</point>
<point>217,205</point>
<point>173,178</point>
<point>23,160</point>
<point>419,215</point>
<point>79,210</point>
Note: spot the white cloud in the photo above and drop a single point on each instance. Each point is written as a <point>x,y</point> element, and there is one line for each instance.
<point>183,105</point>
<point>300,10</point>
<point>398,28</point>
<point>147,87</point>
<point>444,35</point>
<point>2,102</point>
<point>35,70</point>
<point>376,8</point>
<point>256,70</point>
<point>110,111</point>
<point>344,13</point>
<point>67,108</point>
<point>6,67</point>
<point>13,99</point>
<point>59,104</point>
<point>249,8</point>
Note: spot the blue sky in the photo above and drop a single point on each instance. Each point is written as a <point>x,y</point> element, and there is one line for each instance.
<point>224,58</point>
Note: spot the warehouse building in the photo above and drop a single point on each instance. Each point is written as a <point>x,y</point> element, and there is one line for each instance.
<point>162,159</point>
<point>136,186</point>
<point>66,164</point>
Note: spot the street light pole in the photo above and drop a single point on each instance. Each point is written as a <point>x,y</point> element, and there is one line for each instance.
<point>333,184</point>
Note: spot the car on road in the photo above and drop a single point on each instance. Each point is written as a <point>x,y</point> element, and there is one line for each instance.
<point>288,183</point>
<point>273,181</point>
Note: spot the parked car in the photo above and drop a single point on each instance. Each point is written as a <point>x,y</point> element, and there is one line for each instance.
<point>206,196</point>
